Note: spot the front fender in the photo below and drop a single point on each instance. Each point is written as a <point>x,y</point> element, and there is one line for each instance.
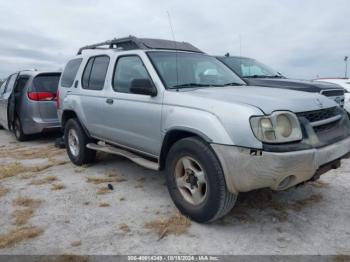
<point>225,124</point>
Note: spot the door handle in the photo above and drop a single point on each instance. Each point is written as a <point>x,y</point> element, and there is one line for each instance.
<point>109,101</point>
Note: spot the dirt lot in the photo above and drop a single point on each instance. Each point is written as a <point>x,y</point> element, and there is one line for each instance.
<point>49,206</point>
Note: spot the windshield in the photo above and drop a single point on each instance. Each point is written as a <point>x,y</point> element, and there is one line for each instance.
<point>184,70</point>
<point>247,67</point>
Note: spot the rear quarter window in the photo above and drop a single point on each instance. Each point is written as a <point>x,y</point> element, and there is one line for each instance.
<point>70,72</point>
<point>46,83</point>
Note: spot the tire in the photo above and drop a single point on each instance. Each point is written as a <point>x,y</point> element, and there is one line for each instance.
<point>77,151</point>
<point>213,200</point>
<point>18,131</point>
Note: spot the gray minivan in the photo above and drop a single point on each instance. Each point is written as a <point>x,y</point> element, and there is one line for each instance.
<point>28,103</point>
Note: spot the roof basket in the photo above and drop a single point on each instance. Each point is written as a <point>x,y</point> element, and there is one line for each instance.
<point>133,43</point>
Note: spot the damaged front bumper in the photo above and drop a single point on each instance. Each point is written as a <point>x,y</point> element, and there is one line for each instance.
<point>247,169</point>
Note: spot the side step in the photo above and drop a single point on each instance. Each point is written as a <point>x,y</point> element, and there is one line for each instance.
<point>117,151</point>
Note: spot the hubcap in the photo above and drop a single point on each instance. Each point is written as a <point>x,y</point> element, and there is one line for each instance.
<point>191,180</point>
<point>73,142</point>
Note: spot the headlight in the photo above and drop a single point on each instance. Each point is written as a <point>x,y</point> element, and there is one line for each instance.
<point>279,127</point>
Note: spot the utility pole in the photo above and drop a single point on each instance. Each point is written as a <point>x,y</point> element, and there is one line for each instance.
<point>346,66</point>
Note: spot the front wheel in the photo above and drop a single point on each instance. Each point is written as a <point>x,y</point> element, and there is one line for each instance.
<point>76,141</point>
<point>196,182</point>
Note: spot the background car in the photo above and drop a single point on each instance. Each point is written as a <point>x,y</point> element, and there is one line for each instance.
<point>28,103</point>
<point>344,83</point>
<point>257,74</point>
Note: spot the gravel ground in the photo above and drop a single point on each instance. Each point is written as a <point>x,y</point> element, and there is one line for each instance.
<point>71,213</point>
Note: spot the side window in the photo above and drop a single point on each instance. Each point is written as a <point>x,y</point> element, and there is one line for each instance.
<point>95,73</point>
<point>21,83</point>
<point>2,88</point>
<point>127,69</point>
<point>10,84</point>
<point>87,72</point>
<point>70,72</point>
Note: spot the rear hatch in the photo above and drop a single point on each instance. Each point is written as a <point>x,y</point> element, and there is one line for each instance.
<point>44,92</point>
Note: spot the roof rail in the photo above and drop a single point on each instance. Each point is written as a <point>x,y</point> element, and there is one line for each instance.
<point>133,43</point>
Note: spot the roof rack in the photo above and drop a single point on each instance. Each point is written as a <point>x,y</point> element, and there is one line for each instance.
<point>133,43</point>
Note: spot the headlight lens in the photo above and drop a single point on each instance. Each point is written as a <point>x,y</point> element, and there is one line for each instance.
<point>284,125</point>
<point>279,127</point>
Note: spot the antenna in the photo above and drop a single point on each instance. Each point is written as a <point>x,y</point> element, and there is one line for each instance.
<point>240,52</point>
<point>171,26</point>
<point>240,46</point>
<point>173,36</point>
<point>346,66</point>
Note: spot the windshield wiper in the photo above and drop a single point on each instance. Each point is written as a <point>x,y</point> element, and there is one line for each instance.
<point>233,84</point>
<point>190,85</point>
<point>277,76</point>
<point>264,76</point>
<point>258,76</point>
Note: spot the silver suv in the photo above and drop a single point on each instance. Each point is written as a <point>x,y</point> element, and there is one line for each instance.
<point>168,106</point>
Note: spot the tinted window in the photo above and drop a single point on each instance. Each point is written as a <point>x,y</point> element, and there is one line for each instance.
<point>21,83</point>
<point>11,82</point>
<point>2,88</point>
<point>86,75</point>
<point>70,72</point>
<point>128,68</point>
<point>98,73</point>
<point>46,83</point>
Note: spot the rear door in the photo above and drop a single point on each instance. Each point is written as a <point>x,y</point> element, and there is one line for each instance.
<point>43,91</point>
<point>92,96</point>
<point>4,100</point>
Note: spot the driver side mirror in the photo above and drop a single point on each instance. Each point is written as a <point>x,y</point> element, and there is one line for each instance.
<point>143,86</point>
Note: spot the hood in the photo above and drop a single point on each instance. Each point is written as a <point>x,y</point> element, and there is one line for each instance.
<point>264,98</point>
<point>300,85</point>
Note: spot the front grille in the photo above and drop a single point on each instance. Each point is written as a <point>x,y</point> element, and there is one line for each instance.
<point>325,127</point>
<point>333,92</point>
<point>318,115</point>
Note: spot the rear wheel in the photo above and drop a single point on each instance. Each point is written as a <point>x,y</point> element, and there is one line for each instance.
<point>18,131</point>
<point>196,181</point>
<point>76,141</point>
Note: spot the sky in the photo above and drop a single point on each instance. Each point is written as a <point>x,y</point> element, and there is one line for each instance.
<point>300,39</point>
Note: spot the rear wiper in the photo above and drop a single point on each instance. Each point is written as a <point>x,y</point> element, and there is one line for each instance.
<point>190,85</point>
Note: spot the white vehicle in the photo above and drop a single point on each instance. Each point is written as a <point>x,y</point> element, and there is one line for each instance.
<point>343,82</point>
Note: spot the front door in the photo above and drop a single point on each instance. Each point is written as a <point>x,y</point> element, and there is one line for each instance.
<point>2,91</point>
<point>4,100</point>
<point>134,120</point>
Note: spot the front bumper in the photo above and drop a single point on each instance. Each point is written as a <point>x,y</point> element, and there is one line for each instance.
<point>247,169</point>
